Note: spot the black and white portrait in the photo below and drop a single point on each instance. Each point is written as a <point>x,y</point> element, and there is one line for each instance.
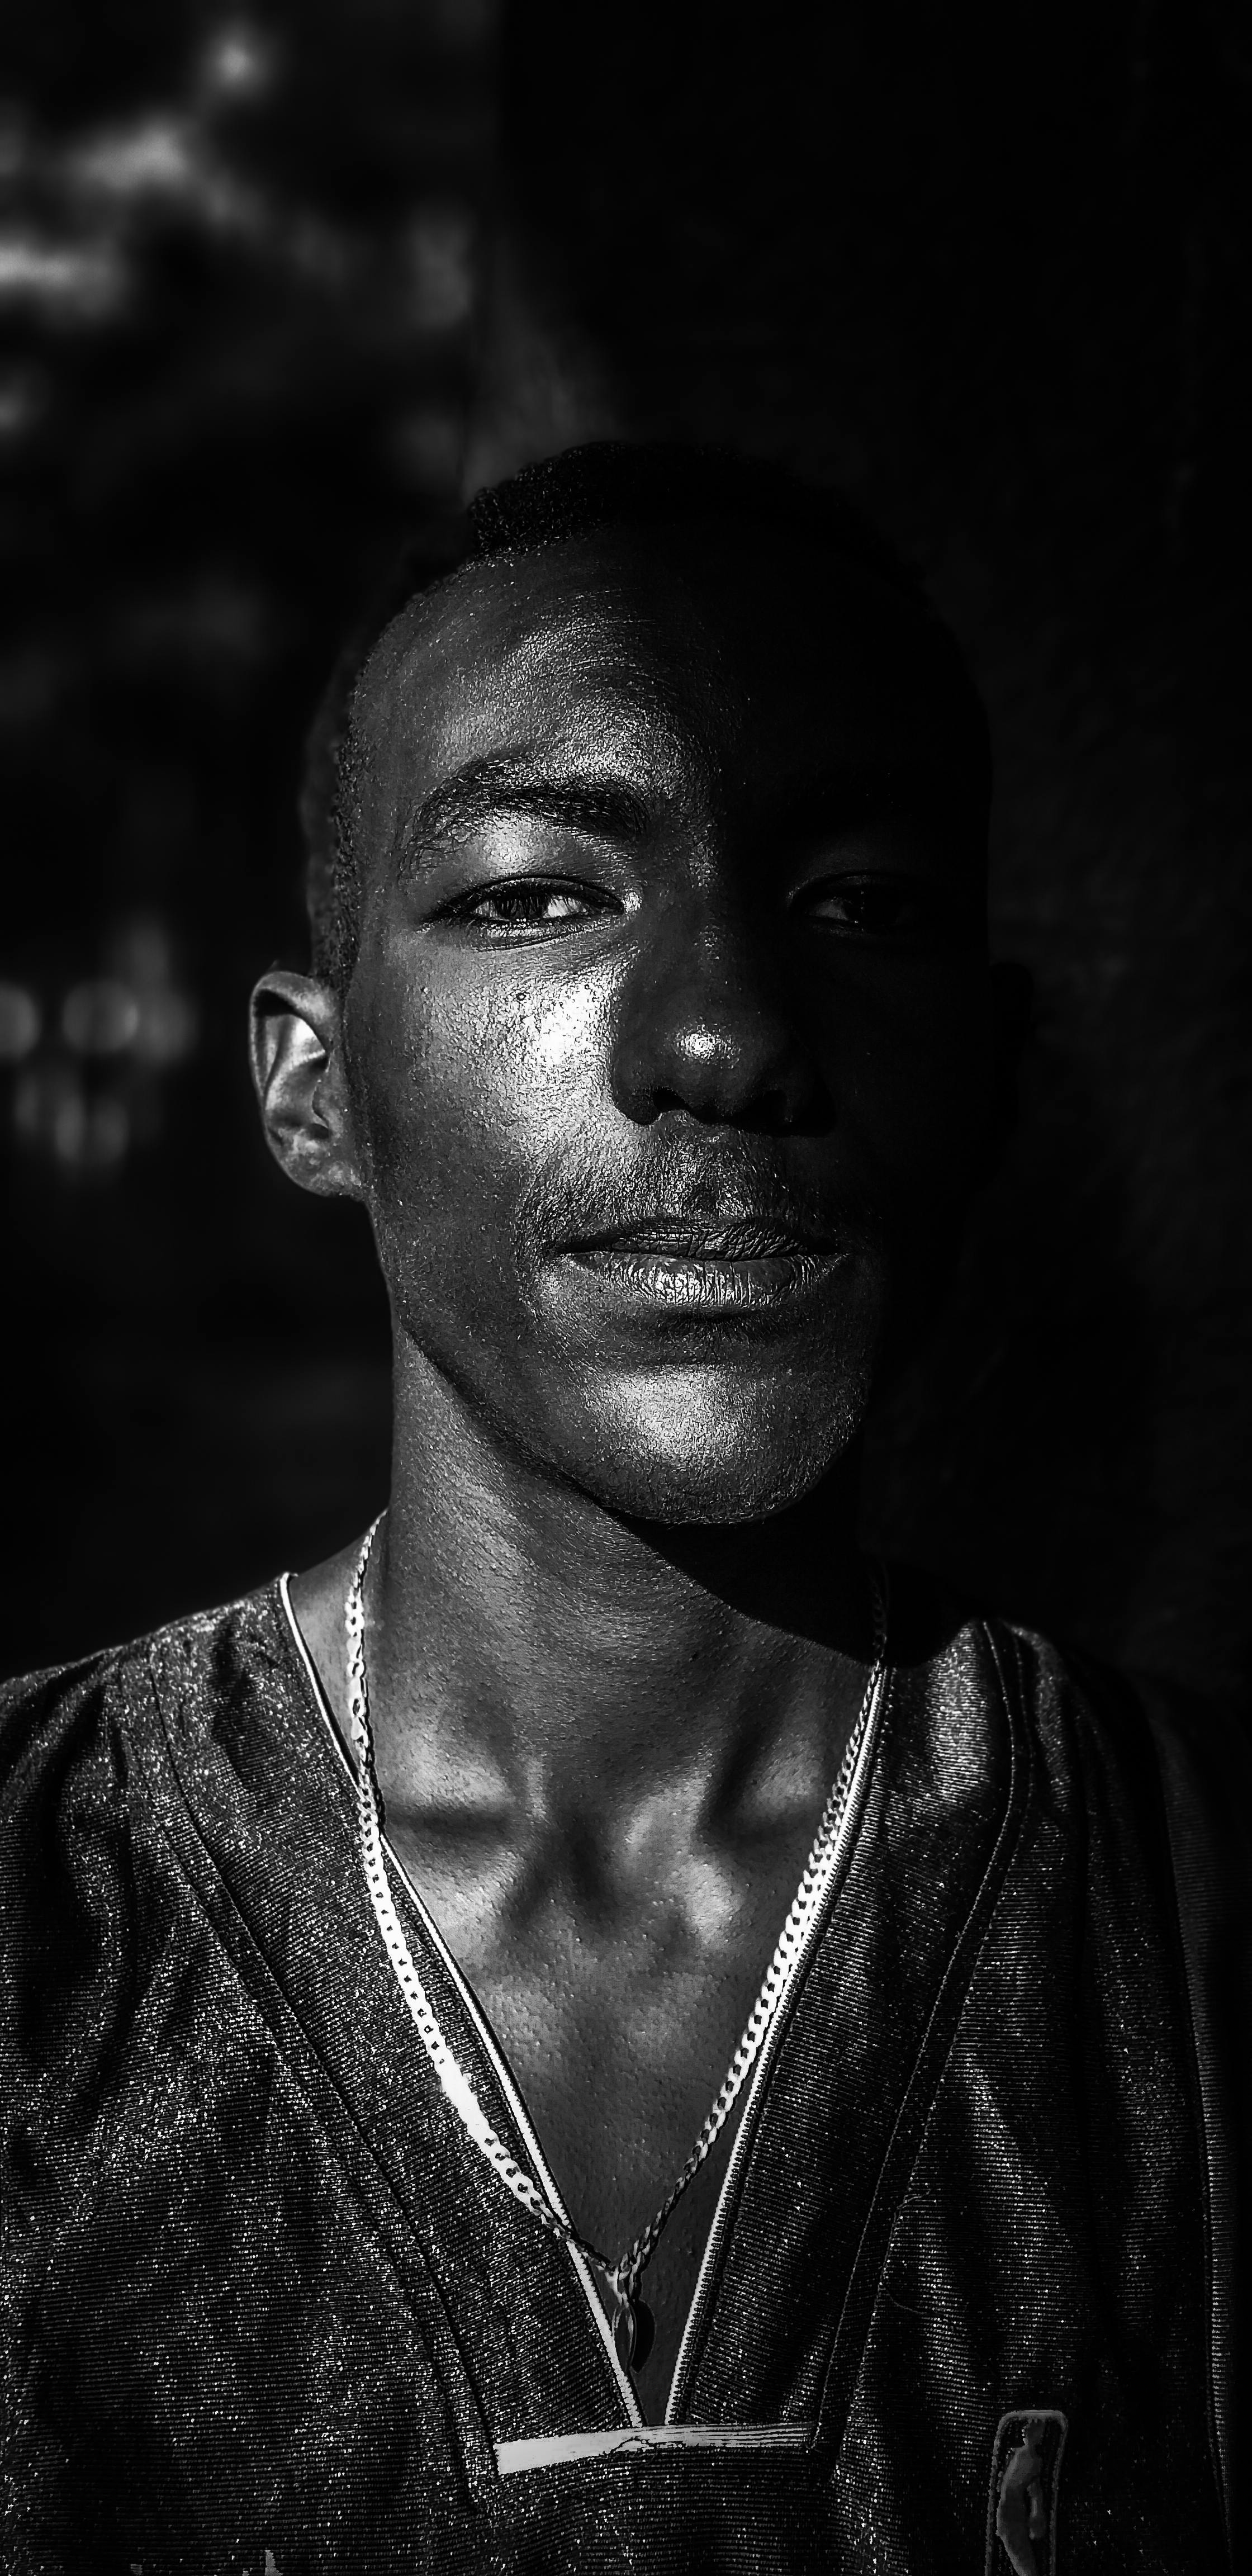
<point>626,1808</point>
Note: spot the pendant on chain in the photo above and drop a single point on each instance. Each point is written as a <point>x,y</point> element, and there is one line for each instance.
<point>633,2333</point>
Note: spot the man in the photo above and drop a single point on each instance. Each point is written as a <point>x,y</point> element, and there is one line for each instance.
<point>379,1946</point>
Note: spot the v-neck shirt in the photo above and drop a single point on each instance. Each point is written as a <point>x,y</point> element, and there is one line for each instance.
<point>741,2128</point>
<point>267,2292</point>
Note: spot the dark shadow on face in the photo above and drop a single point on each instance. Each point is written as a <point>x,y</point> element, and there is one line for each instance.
<point>1035,1382</point>
<point>671,1037</point>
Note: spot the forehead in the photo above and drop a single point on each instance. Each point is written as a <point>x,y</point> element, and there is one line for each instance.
<point>737,653</point>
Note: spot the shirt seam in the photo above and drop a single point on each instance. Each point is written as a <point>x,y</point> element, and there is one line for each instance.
<point>473,2476</point>
<point>1014,1814</point>
<point>1201,2116</point>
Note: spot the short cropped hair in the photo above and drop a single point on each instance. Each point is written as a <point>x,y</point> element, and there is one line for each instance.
<point>605,484</point>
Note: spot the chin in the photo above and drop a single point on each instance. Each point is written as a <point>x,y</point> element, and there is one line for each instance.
<point>680,1451</point>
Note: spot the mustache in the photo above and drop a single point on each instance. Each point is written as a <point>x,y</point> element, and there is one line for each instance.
<point>582,1194</point>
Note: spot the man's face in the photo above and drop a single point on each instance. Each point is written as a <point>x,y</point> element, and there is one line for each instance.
<point>668,1039</point>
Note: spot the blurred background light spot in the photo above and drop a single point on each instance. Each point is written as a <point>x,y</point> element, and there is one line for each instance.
<point>167,1021</point>
<point>169,1025</point>
<point>56,1114</point>
<point>42,1094</point>
<point>105,1134</point>
<point>439,252</point>
<point>87,1136</point>
<point>100,1017</point>
<point>154,157</point>
<point>237,63</point>
<point>65,281</point>
<point>23,400</point>
<point>21,1021</point>
<point>167,161</point>
<point>93,1090</point>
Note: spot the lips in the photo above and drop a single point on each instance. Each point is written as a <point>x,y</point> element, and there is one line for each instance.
<point>738,1265</point>
<point>739,1238</point>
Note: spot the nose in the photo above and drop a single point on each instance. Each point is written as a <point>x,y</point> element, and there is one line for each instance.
<point>706,1026</point>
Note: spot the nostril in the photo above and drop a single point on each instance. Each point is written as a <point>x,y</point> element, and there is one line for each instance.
<point>765,1113</point>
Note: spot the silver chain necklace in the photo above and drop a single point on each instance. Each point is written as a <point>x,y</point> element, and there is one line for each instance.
<point>633,2326</point>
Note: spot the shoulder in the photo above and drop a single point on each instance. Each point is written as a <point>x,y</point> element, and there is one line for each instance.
<point>1146,1737</point>
<point>76,1719</point>
<point>1151,1783</point>
<point>1174,1763</point>
<point>1111,1741</point>
<point>63,1752</point>
<point>1165,1780</point>
<point>78,1744</point>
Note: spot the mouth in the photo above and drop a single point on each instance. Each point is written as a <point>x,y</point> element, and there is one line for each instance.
<point>739,1266</point>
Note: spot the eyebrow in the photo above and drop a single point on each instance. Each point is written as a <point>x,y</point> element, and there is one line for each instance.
<point>859,791</point>
<point>602,806</point>
<point>849,793</point>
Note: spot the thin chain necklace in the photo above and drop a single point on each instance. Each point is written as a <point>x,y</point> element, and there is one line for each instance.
<point>633,2325</point>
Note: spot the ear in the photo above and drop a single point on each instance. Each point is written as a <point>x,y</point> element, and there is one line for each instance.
<point>1012,1018</point>
<point>296,1050</point>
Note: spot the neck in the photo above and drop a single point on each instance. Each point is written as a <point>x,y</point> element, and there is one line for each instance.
<point>526,1643</point>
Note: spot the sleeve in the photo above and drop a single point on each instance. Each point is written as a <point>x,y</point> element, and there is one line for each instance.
<point>68,1965</point>
<point>1205,1763</point>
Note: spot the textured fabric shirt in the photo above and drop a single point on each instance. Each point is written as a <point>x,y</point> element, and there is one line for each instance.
<point>968,2301</point>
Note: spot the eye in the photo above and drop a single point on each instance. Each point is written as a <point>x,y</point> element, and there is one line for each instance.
<point>530,904</point>
<point>872,907</point>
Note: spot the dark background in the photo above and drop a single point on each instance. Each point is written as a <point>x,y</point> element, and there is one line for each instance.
<point>277,286</point>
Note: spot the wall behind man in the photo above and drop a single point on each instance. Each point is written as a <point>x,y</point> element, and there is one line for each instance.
<point>238,260</point>
<point>989,270</point>
<point>279,281</point>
